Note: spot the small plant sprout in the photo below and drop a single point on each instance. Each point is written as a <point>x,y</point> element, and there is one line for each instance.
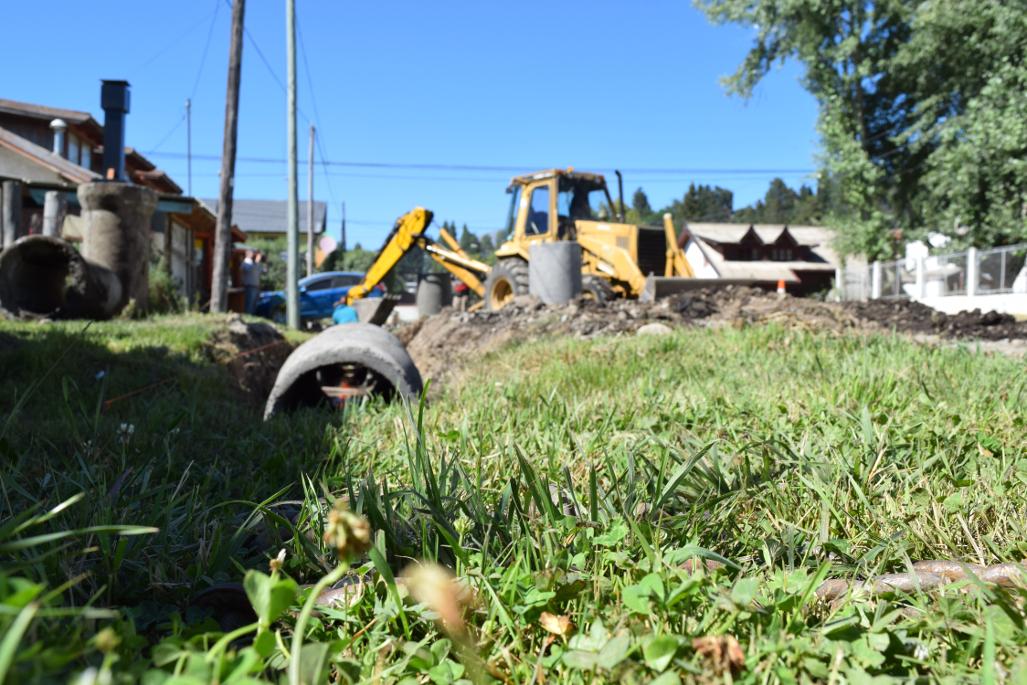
<point>276,563</point>
<point>348,533</point>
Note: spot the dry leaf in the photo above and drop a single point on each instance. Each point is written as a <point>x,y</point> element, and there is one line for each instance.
<point>721,651</point>
<point>557,625</point>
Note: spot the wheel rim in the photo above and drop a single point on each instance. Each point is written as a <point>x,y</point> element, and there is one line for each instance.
<point>501,293</point>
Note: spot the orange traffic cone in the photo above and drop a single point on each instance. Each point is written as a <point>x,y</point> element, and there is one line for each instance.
<point>780,286</point>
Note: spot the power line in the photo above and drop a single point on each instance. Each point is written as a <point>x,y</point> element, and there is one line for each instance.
<point>317,114</point>
<point>167,135</point>
<point>504,168</point>
<point>206,47</point>
<point>175,42</point>
<point>270,70</point>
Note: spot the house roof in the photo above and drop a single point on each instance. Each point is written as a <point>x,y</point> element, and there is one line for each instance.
<point>65,169</point>
<point>818,238</point>
<point>71,116</point>
<point>270,216</point>
<point>28,109</point>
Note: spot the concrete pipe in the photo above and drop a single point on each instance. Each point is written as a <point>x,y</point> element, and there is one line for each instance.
<point>554,271</point>
<point>43,276</point>
<point>434,291</point>
<point>345,362</point>
<point>116,233</point>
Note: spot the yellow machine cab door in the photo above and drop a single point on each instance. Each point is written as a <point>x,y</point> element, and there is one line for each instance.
<point>538,212</point>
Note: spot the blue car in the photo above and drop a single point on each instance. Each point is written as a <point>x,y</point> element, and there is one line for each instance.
<point>318,296</point>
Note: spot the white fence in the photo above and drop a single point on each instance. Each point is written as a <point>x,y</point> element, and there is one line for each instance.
<point>985,279</point>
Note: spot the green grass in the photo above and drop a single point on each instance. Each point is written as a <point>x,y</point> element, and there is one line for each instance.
<point>563,476</point>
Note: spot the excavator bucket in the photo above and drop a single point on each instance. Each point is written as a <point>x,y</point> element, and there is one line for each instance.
<point>658,287</point>
<point>375,310</point>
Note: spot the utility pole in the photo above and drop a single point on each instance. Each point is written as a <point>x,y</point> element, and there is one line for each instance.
<point>292,295</point>
<point>223,232</point>
<point>189,146</point>
<point>343,248</point>
<point>310,203</point>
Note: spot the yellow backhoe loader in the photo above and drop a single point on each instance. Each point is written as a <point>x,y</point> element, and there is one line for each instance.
<point>618,259</point>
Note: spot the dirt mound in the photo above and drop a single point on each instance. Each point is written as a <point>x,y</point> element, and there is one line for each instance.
<point>252,352</point>
<point>441,344</point>
<point>913,317</point>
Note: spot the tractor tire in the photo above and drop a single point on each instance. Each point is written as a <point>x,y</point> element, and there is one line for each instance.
<point>507,279</point>
<point>358,357</point>
<point>596,289</point>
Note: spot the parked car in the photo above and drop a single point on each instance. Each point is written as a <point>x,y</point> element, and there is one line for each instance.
<point>319,294</point>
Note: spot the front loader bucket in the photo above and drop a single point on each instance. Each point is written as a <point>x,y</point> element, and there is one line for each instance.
<point>375,310</point>
<point>658,287</point>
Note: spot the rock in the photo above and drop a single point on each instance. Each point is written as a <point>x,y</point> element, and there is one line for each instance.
<point>654,328</point>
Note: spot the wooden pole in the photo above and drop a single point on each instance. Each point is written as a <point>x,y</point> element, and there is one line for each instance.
<point>11,216</point>
<point>292,296</point>
<point>310,203</point>
<point>223,231</point>
<point>54,209</point>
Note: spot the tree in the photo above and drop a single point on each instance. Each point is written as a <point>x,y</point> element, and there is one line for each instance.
<point>488,248</point>
<point>702,203</point>
<point>907,92</point>
<point>468,241</point>
<point>640,203</point>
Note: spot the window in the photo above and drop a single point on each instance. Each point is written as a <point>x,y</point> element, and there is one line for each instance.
<point>538,213</point>
<point>345,281</point>
<point>579,199</point>
<point>511,218</point>
<point>73,148</point>
<point>87,156</point>
<point>319,284</point>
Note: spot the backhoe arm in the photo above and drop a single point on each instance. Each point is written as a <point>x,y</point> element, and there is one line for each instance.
<point>409,233</point>
<point>404,235</point>
<point>466,269</point>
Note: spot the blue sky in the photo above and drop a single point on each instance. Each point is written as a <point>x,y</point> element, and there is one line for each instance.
<point>526,85</point>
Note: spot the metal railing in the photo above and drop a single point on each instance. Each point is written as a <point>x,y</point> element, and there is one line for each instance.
<point>950,271</point>
<point>998,269</point>
<point>895,276</point>
<point>974,272</point>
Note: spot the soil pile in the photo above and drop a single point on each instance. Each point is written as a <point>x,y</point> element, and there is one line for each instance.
<point>252,352</point>
<point>913,317</point>
<point>439,344</point>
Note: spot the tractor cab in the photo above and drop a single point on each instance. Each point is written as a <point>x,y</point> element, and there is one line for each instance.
<point>546,205</point>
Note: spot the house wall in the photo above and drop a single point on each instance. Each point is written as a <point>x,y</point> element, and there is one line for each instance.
<point>700,265</point>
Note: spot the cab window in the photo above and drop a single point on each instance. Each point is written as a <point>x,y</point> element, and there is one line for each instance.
<point>538,212</point>
<point>511,217</point>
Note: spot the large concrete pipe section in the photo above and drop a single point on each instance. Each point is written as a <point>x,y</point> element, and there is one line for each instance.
<point>117,233</point>
<point>344,363</point>
<point>434,291</point>
<point>554,271</point>
<point>45,277</point>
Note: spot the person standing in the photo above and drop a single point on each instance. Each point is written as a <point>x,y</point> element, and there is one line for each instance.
<point>250,280</point>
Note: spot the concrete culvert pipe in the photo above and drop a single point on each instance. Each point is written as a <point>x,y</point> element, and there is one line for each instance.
<point>117,233</point>
<point>45,277</point>
<point>554,271</point>
<point>345,362</point>
<point>434,291</point>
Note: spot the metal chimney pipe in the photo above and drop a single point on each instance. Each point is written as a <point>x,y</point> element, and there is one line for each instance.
<point>59,126</point>
<point>114,98</point>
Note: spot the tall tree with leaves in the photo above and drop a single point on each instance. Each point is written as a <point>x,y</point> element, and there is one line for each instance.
<point>908,91</point>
